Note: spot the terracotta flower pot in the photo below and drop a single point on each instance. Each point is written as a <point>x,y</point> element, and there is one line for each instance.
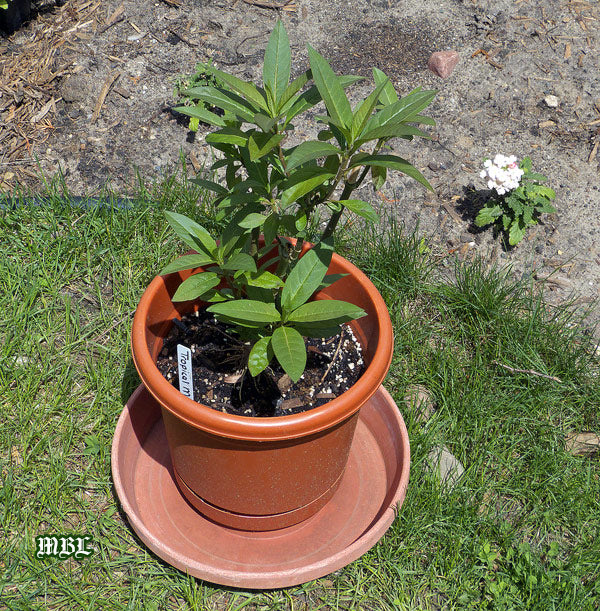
<point>261,473</point>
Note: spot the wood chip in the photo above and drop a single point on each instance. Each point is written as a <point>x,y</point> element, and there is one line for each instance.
<point>582,444</point>
<point>448,208</point>
<point>284,383</point>
<point>561,281</point>
<point>50,105</point>
<point>110,79</point>
<point>197,165</point>
<point>546,124</point>
<point>567,51</point>
<point>232,379</point>
<point>291,403</point>
<point>593,152</point>
<point>285,4</point>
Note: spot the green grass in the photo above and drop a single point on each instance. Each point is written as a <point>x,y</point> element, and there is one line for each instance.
<point>518,531</point>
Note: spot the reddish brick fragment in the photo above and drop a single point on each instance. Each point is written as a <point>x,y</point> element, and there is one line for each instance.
<point>443,62</point>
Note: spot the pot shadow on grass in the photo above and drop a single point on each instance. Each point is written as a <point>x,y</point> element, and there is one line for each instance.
<point>131,380</point>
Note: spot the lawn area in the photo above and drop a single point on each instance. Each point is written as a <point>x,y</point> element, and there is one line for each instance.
<point>510,379</point>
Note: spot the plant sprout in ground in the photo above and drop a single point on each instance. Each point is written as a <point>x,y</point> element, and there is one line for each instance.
<point>520,199</point>
<point>273,190</point>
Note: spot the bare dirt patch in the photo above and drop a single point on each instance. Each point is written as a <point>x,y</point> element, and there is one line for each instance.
<point>87,88</point>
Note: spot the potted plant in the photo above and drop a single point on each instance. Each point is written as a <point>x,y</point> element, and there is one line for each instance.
<point>272,289</point>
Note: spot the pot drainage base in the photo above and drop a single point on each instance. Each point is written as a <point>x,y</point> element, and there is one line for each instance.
<point>360,512</point>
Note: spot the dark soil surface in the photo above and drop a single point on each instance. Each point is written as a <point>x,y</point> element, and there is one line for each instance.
<point>87,88</point>
<point>333,366</point>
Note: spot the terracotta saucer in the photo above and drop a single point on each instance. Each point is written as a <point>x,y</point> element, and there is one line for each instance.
<point>372,489</point>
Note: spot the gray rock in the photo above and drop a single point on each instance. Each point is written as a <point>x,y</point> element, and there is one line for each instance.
<point>419,400</point>
<point>445,466</point>
<point>76,88</point>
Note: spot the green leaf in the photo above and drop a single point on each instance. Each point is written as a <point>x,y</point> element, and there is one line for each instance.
<point>254,219</point>
<point>488,215</point>
<point>259,144</point>
<point>303,102</point>
<point>395,130</point>
<point>300,221</point>
<point>516,233</point>
<point>330,311</point>
<point>226,100</point>
<point>393,162</point>
<point>248,90</point>
<point>306,276</point>
<point>265,123</point>
<point>187,262</point>
<point>378,176</point>
<point>240,261</point>
<point>307,151</point>
<point>545,191</point>
<point>250,311</point>
<point>200,112</point>
<point>228,135</point>
<point>423,120</point>
<point>316,330</point>
<point>311,97</point>
<point>260,356</point>
<point>210,185</point>
<point>361,208</point>
<point>265,280</point>
<point>303,183</point>
<point>277,64</point>
<point>293,88</point>
<point>330,279</point>
<point>545,207</point>
<point>288,346</point>
<point>388,94</point>
<point>402,110</point>
<point>363,112</point>
<point>232,230</point>
<point>191,233</point>
<point>195,286</point>
<point>270,227</point>
<point>330,88</point>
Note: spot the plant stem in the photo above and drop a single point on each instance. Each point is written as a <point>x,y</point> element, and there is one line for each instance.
<point>348,188</point>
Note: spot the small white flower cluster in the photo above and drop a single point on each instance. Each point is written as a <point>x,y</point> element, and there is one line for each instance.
<point>503,172</point>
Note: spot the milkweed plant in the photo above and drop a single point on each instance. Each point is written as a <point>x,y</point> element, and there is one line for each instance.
<point>277,191</point>
<point>518,196</point>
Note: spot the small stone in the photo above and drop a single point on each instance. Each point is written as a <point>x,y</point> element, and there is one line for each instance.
<point>76,88</point>
<point>418,399</point>
<point>442,63</point>
<point>582,444</point>
<point>551,101</point>
<point>445,466</point>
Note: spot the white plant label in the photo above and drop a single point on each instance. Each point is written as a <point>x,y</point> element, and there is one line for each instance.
<point>184,363</point>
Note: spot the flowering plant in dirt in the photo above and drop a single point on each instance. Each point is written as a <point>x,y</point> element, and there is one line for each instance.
<point>279,192</point>
<point>520,197</point>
